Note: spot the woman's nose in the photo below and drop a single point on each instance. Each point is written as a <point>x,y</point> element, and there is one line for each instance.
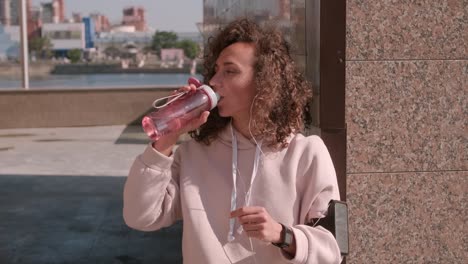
<point>214,81</point>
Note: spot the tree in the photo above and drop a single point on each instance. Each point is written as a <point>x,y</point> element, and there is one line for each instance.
<point>191,48</point>
<point>74,55</point>
<point>41,46</point>
<point>163,40</point>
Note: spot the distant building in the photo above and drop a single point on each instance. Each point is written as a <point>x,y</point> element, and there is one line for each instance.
<point>123,29</point>
<point>135,16</point>
<point>9,11</point>
<point>65,36</point>
<point>101,22</point>
<point>121,39</point>
<point>5,12</point>
<point>59,10</point>
<point>53,12</point>
<point>285,9</point>
<point>47,15</point>
<point>76,17</point>
<point>34,22</point>
<point>90,34</point>
<point>9,15</point>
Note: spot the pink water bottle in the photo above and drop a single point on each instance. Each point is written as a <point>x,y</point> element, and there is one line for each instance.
<point>179,111</point>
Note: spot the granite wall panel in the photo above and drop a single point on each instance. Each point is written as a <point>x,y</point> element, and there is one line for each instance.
<point>407,116</point>
<point>406,29</point>
<point>408,217</point>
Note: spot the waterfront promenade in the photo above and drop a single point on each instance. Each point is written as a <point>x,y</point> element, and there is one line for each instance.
<point>61,198</point>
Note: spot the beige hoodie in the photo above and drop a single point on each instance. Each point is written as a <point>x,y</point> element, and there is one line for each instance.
<point>294,185</point>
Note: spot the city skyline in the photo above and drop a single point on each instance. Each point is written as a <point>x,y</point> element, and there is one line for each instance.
<point>160,15</point>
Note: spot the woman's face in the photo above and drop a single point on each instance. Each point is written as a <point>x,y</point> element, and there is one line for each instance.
<point>234,80</point>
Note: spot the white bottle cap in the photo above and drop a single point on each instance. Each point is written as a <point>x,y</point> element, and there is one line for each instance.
<point>214,97</point>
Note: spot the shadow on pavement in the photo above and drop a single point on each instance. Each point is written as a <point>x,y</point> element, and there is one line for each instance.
<point>75,219</point>
<point>132,134</point>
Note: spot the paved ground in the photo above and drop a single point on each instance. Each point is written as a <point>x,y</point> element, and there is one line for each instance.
<point>61,198</point>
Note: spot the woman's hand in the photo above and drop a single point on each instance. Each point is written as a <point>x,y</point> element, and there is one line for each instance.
<point>196,122</point>
<point>167,142</point>
<point>258,223</point>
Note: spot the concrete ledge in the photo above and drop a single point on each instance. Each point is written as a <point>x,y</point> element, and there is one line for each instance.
<point>76,107</point>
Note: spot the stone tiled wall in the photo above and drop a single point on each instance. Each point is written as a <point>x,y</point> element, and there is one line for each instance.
<point>406,114</point>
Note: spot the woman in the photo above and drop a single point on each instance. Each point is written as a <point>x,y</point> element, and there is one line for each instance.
<point>248,183</point>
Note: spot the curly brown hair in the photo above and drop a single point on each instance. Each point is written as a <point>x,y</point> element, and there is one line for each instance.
<point>282,91</point>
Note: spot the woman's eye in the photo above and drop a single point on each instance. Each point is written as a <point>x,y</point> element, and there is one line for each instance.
<point>230,72</point>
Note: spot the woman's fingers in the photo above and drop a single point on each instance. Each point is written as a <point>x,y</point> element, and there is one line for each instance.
<point>253,226</point>
<point>197,122</point>
<point>185,88</point>
<point>204,117</point>
<point>252,218</point>
<point>194,81</point>
<point>258,223</point>
<point>201,120</point>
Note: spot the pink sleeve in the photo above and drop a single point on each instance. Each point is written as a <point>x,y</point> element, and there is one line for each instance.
<point>316,244</point>
<point>151,192</point>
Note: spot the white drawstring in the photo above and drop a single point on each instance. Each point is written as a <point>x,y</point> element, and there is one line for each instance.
<point>232,221</point>
<point>234,182</point>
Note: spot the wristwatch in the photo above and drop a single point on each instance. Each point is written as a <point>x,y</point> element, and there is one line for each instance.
<point>287,236</point>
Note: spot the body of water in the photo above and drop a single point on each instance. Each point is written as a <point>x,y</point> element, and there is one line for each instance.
<point>99,81</point>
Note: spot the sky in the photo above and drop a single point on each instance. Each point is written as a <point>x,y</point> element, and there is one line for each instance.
<point>167,15</point>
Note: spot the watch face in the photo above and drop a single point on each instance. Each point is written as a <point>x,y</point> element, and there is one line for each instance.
<point>282,243</point>
<point>288,236</point>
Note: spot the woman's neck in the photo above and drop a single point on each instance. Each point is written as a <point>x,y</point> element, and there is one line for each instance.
<point>242,127</point>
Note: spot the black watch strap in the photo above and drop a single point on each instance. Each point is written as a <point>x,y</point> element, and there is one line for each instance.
<point>286,237</point>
